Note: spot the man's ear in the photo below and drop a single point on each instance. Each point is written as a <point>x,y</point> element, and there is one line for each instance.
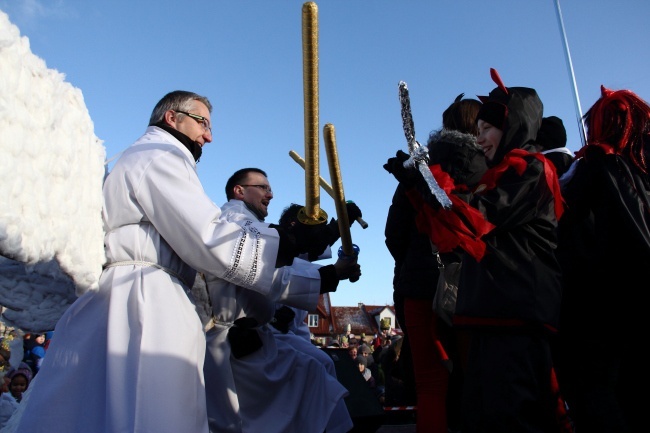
<point>238,191</point>
<point>170,118</point>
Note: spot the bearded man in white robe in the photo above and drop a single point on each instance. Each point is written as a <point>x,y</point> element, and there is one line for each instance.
<point>254,381</point>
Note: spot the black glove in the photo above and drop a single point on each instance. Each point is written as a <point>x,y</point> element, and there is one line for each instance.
<point>288,248</point>
<point>353,212</point>
<point>319,237</point>
<point>282,319</point>
<point>243,337</point>
<point>311,239</point>
<point>395,166</point>
<point>314,239</point>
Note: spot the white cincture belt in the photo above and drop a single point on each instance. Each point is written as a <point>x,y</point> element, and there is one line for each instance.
<point>147,264</point>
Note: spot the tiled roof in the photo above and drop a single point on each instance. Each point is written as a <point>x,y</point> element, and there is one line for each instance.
<point>362,319</point>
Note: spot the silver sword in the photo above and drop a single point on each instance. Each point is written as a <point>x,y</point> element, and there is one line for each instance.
<point>419,154</point>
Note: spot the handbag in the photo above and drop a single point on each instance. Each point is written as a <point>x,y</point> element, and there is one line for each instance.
<point>444,300</point>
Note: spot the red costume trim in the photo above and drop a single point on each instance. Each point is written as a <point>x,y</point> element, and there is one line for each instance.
<point>515,159</point>
<point>461,226</point>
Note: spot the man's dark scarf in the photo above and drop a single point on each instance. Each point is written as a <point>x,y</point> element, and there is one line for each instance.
<point>194,147</point>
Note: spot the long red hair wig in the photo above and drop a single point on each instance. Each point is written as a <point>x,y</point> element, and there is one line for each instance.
<point>620,119</point>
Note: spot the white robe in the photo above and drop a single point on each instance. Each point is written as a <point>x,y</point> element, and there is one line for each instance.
<point>129,357</point>
<point>276,389</point>
<point>299,337</point>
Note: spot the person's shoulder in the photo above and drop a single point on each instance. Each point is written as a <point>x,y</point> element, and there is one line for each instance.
<point>236,210</point>
<point>160,143</point>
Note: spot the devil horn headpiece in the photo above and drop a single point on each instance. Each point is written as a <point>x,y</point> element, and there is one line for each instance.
<point>604,91</point>
<point>499,82</point>
<point>497,79</point>
<point>459,97</point>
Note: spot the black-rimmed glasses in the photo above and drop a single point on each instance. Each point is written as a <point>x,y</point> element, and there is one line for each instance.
<point>265,188</point>
<point>205,123</point>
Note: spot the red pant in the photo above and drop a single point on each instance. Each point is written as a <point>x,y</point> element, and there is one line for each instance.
<point>431,374</point>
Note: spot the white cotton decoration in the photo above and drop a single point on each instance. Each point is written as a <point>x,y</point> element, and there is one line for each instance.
<point>52,168</point>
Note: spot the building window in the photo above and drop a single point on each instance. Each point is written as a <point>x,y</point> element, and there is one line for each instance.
<point>313,320</point>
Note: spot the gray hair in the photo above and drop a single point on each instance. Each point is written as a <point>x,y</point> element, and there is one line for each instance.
<point>176,100</point>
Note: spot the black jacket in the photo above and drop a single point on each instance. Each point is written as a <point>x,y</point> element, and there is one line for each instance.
<point>517,281</point>
<point>416,267</point>
<point>608,202</point>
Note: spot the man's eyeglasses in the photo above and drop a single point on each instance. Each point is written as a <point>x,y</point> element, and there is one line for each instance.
<point>199,119</point>
<point>265,188</point>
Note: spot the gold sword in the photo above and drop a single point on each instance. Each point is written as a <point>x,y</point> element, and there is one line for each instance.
<point>337,188</point>
<point>348,249</point>
<point>323,183</point>
<point>311,214</point>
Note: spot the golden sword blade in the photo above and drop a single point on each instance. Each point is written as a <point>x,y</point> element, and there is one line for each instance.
<point>311,213</point>
<point>329,135</point>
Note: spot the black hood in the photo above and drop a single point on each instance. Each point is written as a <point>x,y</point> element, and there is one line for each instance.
<point>523,119</point>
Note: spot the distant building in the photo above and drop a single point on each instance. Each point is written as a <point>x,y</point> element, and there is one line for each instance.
<point>329,323</point>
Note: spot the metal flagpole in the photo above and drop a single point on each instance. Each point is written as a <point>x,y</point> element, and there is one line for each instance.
<point>581,125</point>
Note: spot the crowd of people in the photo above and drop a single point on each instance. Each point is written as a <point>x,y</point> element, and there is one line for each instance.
<point>542,321</point>
<point>20,361</point>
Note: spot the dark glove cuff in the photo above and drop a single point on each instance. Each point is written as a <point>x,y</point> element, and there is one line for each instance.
<point>283,318</point>
<point>243,337</point>
<point>329,281</point>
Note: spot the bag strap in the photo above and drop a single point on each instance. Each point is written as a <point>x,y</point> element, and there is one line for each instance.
<point>435,252</point>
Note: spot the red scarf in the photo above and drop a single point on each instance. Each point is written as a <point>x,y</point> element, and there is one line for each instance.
<point>461,226</point>
<point>515,159</point>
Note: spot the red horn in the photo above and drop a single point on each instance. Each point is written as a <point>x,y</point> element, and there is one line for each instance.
<point>605,91</point>
<point>497,79</point>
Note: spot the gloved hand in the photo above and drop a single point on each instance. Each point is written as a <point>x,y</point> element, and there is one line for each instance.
<point>320,237</point>
<point>311,239</point>
<point>334,233</point>
<point>243,337</point>
<point>395,166</point>
<point>282,319</point>
<point>347,268</point>
<point>353,212</point>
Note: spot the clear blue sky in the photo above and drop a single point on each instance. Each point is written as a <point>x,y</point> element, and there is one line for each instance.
<point>246,56</point>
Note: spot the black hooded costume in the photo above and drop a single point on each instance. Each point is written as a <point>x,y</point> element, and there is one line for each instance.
<point>509,291</point>
<point>605,251</point>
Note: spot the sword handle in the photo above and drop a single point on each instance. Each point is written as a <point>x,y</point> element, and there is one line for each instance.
<point>323,183</point>
<point>355,253</point>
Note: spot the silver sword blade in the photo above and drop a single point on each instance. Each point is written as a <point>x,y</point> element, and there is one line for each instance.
<point>419,158</point>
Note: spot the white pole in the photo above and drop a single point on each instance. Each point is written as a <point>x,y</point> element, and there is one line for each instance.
<point>581,125</point>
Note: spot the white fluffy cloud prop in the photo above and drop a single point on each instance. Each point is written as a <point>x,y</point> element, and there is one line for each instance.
<point>52,167</point>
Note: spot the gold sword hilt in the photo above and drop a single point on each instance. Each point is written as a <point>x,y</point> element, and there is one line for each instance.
<point>323,183</point>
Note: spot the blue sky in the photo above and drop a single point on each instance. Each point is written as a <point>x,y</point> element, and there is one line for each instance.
<point>246,56</point>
